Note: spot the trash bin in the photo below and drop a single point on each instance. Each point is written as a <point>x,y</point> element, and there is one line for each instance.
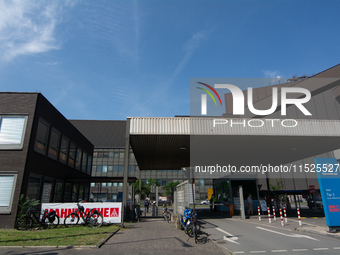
<point>231,210</point>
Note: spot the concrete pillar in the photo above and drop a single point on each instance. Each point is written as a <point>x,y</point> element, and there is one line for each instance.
<point>126,167</point>
<point>243,214</point>
<point>174,204</point>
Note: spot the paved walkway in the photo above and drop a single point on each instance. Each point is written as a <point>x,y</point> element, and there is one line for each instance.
<point>148,237</point>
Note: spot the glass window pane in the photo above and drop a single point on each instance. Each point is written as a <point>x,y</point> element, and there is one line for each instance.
<point>58,191</point>
<point>33,189</point>
<point>41,137</point>
<point>114,184</point>
<point>131,168</point>
<point>84,163</point>
<point>104,169</point>
<point>110,154</point>
<point>116,155</point>
<point>54,144</point>
<point>89,164</point>
<point>67,194</point>
<point>120,184</point>
<point>110,168</point>
<point>12,130</point>
<point>121,155</point>
<point>47,190</point>
<point>105,154</point>
<point>6,187</point>
<point>99,168</point>
<point>115,168</point>
<point>121,168</point>
<point>100,154</point>
<point>78,158</point>
<point>72,154</point>
<point>63,150</point>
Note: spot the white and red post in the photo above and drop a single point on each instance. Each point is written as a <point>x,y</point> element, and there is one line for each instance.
<point>282,224</point>
<point>274,213</point>
<point>299,217</point>
<point>285,212</point>
<point>259,212</point>
<point>270,220</point>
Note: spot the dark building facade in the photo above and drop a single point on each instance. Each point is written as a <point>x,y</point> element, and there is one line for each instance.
<point>42,155</point>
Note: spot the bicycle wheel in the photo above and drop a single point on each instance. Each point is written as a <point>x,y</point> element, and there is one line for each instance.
<point>24,223</point>
<point>167,216</point>
<point>71,220</point>
<point>95,220</point>
<point>47,222</point>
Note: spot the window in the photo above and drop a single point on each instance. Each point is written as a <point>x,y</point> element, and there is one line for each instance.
<point>54,144</point>
<point>78,158</point>
<point>100,154</point>
<point>109,184</point>
<point>114,184</point>
<point>72,154</point>
<point>47,191</point>
<point>7,186</point>
<point>105,154</point>
<point>163,182</point>
<point>159,181</point>
<point>132,168</point>
<point>110,168</point>
<point>132,156</point>
<point>120,168</point>
<point>116,155</point>
<point>99,168</point>
<point>33,189</point>
<point>202,182</point>
<point>95,154</point>
<point>103,184</point>
<point>12,130</point>
<point>58,192</point>
<point>110,154</point>
<point>41,137</point>
<point>63,150</point>
<point>115,168</point>
<point>93,184</point>
<point>84,163</point>
<point>120,184</point>
<point>104,169</point>
<point>67,194</point>
<point>121,155</point>
<point>89,164</point>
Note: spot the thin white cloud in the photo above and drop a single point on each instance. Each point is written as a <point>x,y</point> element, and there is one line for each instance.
<point>28,27</point>
<point>190,47</point>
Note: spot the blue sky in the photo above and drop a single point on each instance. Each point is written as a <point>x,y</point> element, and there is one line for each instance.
<point>113,59</point>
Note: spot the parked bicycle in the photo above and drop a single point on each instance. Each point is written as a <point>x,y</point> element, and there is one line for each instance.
<point>93,218</point>
<point>166,214</point>
<point>48,219</point>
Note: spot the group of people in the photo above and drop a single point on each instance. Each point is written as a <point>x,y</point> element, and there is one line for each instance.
<point>147,203</point>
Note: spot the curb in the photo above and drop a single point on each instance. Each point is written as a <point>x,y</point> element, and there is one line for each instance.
<point>102,243</point>
<point>317,233</point>
<point>49,246</point>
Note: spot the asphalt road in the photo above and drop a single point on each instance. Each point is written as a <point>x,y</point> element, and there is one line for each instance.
<point>254,237</point>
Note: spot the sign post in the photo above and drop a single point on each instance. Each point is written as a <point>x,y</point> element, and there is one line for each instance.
<point>329,180</point>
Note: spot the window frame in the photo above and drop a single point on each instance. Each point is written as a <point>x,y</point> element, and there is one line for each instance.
<point>37,149</point>
<point>8,209</point>
<point>21,144</point>
<point>49,143</point>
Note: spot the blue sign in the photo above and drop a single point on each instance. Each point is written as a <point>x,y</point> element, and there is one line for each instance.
<point>329,181</point>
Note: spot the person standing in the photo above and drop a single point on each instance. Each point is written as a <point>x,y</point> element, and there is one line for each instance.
<point>146,204</point>
<point>250,204</point>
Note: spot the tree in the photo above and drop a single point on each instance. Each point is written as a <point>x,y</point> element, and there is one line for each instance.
<point>170,188</point>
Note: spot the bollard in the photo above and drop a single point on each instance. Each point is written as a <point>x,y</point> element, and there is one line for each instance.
<point>274,213</point>
<point>259,212</point>
<point>282,224</point>
<point>284,210</point>
<point>270,221</point>
<point>298,211</point>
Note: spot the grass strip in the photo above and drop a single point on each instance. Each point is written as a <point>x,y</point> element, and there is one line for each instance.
<point>61,236</point>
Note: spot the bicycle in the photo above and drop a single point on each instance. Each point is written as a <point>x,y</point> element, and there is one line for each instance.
<point>193,226</point>
<point>48,219</point>
<point>93,218</point>
<point>166,214</point>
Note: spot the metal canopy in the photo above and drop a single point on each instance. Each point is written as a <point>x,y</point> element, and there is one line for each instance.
<point>165,143</point>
